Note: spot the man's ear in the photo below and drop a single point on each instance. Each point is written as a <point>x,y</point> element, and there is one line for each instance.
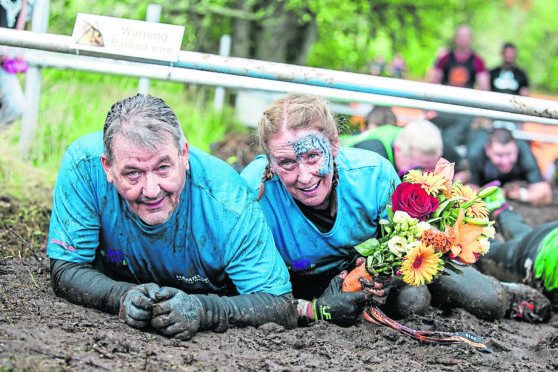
<point>185,154</point>
<point>107,168</point>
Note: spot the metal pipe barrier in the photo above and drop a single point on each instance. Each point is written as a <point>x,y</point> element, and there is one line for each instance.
<point>313,77</point>
<point>184,75</point>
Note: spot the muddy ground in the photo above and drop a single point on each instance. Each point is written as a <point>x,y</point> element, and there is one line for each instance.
<point>39,331</point>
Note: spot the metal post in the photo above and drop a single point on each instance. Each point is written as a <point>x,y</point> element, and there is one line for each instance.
<point>224,50</point>
<point>153,15</point>
<point>29,119</point>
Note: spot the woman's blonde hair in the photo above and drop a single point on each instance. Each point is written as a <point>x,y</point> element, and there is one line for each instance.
<point>296,111</point>
<point>292,112</point>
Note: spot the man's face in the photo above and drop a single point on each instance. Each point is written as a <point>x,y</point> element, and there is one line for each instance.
<point>303,161</point>
<point>150,183</point>
<point>463,37</point>
<point>503,156</point>
<point>416,159</point>
<point>508,56</point>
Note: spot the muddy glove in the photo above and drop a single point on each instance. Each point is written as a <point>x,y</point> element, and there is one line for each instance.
<point>334,305</point>
<point>177,314</point>
<point>378,286</point>
<point>136,305</point>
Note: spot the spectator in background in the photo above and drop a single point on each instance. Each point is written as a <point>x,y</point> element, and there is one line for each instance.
<point>397,67</point>
<point>508,78</point>
<point>440,52</point>
<point>461,67</point>
<point>505,159</point>
<point>378,67</point>
<point>13,14</point>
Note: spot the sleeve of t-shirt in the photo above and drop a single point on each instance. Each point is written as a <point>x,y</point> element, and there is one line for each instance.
<point>74,222</point>
<point>442,61</point>
<point>252,261</point>
<point>253,172</point>
<point>478,63</point>
<point>529,164</point>
<point>373,145</point>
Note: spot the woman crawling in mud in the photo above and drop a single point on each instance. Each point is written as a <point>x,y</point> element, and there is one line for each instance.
<point>321,200</point>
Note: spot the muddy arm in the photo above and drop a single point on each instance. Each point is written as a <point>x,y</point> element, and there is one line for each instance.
<point>82,284</point>
<point>248,310</point>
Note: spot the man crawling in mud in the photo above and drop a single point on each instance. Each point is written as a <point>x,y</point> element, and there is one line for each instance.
<point>145,226</point>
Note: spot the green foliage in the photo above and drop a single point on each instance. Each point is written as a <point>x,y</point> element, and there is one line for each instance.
<point>350,34</point>
<point>74,103</point>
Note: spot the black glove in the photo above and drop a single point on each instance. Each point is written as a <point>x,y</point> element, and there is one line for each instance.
<point>177,314</point>
<point>338,307</point>
<point>136,305</point>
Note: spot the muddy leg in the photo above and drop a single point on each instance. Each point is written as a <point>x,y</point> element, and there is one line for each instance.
<point>479,294</point>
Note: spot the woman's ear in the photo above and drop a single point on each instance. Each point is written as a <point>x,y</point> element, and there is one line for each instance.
<point>335,144</point>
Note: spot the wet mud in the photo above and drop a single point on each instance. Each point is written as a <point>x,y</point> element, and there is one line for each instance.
<point>39,331</point>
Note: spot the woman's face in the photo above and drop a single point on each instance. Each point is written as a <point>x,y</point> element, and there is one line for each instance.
<point>303,161</point>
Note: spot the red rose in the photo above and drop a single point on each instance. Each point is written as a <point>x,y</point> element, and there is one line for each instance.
<point>411,198</point>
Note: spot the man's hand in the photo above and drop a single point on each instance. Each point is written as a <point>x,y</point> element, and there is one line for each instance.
<point>136,305</point>
<point>177,314</point>
<point>336,306</point>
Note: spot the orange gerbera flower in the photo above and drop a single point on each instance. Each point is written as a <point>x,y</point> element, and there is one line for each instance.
<point>465,194</point>
<point>466,247</point>
<point>433,184</point>
<point>420,265</point>
<point>440,241</point>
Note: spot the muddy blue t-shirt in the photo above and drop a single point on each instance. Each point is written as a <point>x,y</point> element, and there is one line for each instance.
<point>217,236</point>
<point>366,181</point>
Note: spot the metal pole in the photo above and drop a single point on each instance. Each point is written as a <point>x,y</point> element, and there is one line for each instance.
<point>153,15</point>
<point>224,50</point>
<point>317,77</point>
<point>29,119</point>
<point>136,69</point>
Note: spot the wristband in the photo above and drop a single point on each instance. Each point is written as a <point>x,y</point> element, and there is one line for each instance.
<point>523,194</point>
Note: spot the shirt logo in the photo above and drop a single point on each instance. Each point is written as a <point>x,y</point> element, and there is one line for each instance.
<point>458,76</point>
<point>301,265</point>
<point>62,244</point>
<point>114,257</point>
<point>193,279</point>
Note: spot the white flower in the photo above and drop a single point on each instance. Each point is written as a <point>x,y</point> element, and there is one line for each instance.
<point>489,232</point>
<point>485,246</point>
<point>401,217</point>
<point>421,227</point>
<point>397,245</point>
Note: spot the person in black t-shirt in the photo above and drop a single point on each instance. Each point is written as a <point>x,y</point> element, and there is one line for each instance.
<point>508,78</point>
<point>511,162</point>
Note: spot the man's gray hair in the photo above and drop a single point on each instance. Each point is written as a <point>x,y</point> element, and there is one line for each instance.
<point>145,120</point>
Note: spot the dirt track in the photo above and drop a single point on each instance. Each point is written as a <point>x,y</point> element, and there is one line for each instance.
<point>39,331</point>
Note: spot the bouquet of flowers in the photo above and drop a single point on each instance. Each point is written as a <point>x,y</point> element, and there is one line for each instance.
<point>432,223</point>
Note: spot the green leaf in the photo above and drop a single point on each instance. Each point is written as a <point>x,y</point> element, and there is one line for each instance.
<point>451,267</point>
<point>368,247</point>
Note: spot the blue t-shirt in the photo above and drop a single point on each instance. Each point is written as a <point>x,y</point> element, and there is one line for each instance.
<point>216,235</point>
<point>366,181</point>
